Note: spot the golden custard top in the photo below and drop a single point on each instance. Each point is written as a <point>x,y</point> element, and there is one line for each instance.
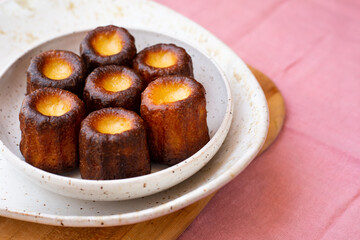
<point>56,68</point>
<point>115,82</point>
<point>112,124</point>
<point>168,92</point>
<point>161,59</point>
<point>107,43</point>
<point>53,105</point>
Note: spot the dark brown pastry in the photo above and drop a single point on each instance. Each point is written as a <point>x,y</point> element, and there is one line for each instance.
<point>50,123</point>
<point>174,109</point>
<point>58,69</point>
<point>107,46</point>
<point>113,145</point>
<point>113,86</point>
<point>162,60</point>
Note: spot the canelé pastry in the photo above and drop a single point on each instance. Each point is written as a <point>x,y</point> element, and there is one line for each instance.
<point>56,68</point>
<point>113,86</point>
<point>50,121</point>
<point>107,46</point>
<point>174,109</point>
<point>113,145</point>
<point>162,60</point>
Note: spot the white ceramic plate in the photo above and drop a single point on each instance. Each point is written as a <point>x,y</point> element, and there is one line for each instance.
<point>219,108</point>
<point>35,23</point>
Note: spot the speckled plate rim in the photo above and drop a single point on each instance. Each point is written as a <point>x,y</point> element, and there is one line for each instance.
<point>186,199</point>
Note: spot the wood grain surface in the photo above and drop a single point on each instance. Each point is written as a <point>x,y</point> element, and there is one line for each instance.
<point>167,227</point>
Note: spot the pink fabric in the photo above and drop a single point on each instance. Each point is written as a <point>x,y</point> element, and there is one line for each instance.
<point>307,185</point>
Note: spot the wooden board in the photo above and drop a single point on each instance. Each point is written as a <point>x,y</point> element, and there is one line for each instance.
<point>167,227</point>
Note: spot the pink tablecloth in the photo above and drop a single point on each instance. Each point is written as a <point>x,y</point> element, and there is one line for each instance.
<point>307,185</point>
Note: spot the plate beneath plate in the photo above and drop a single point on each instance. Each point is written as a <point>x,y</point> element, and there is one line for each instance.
<point>21,199</point>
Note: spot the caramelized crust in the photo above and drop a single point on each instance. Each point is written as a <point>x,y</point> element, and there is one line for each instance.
<point>117,43</point>
<point>113,145</point>
<point>102,84</point>
<point>49,140</point>
<point>163,60</point>
<point>58,69</point>
<point>174,109</point>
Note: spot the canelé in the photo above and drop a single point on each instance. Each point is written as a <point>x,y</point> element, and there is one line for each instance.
<point>174,109</point>
<point>113,145</point>
<point>162,60</point>
<point>113,86</point>
<point>108,45</point>
<point>58,69</point>
<point>50,121</point>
